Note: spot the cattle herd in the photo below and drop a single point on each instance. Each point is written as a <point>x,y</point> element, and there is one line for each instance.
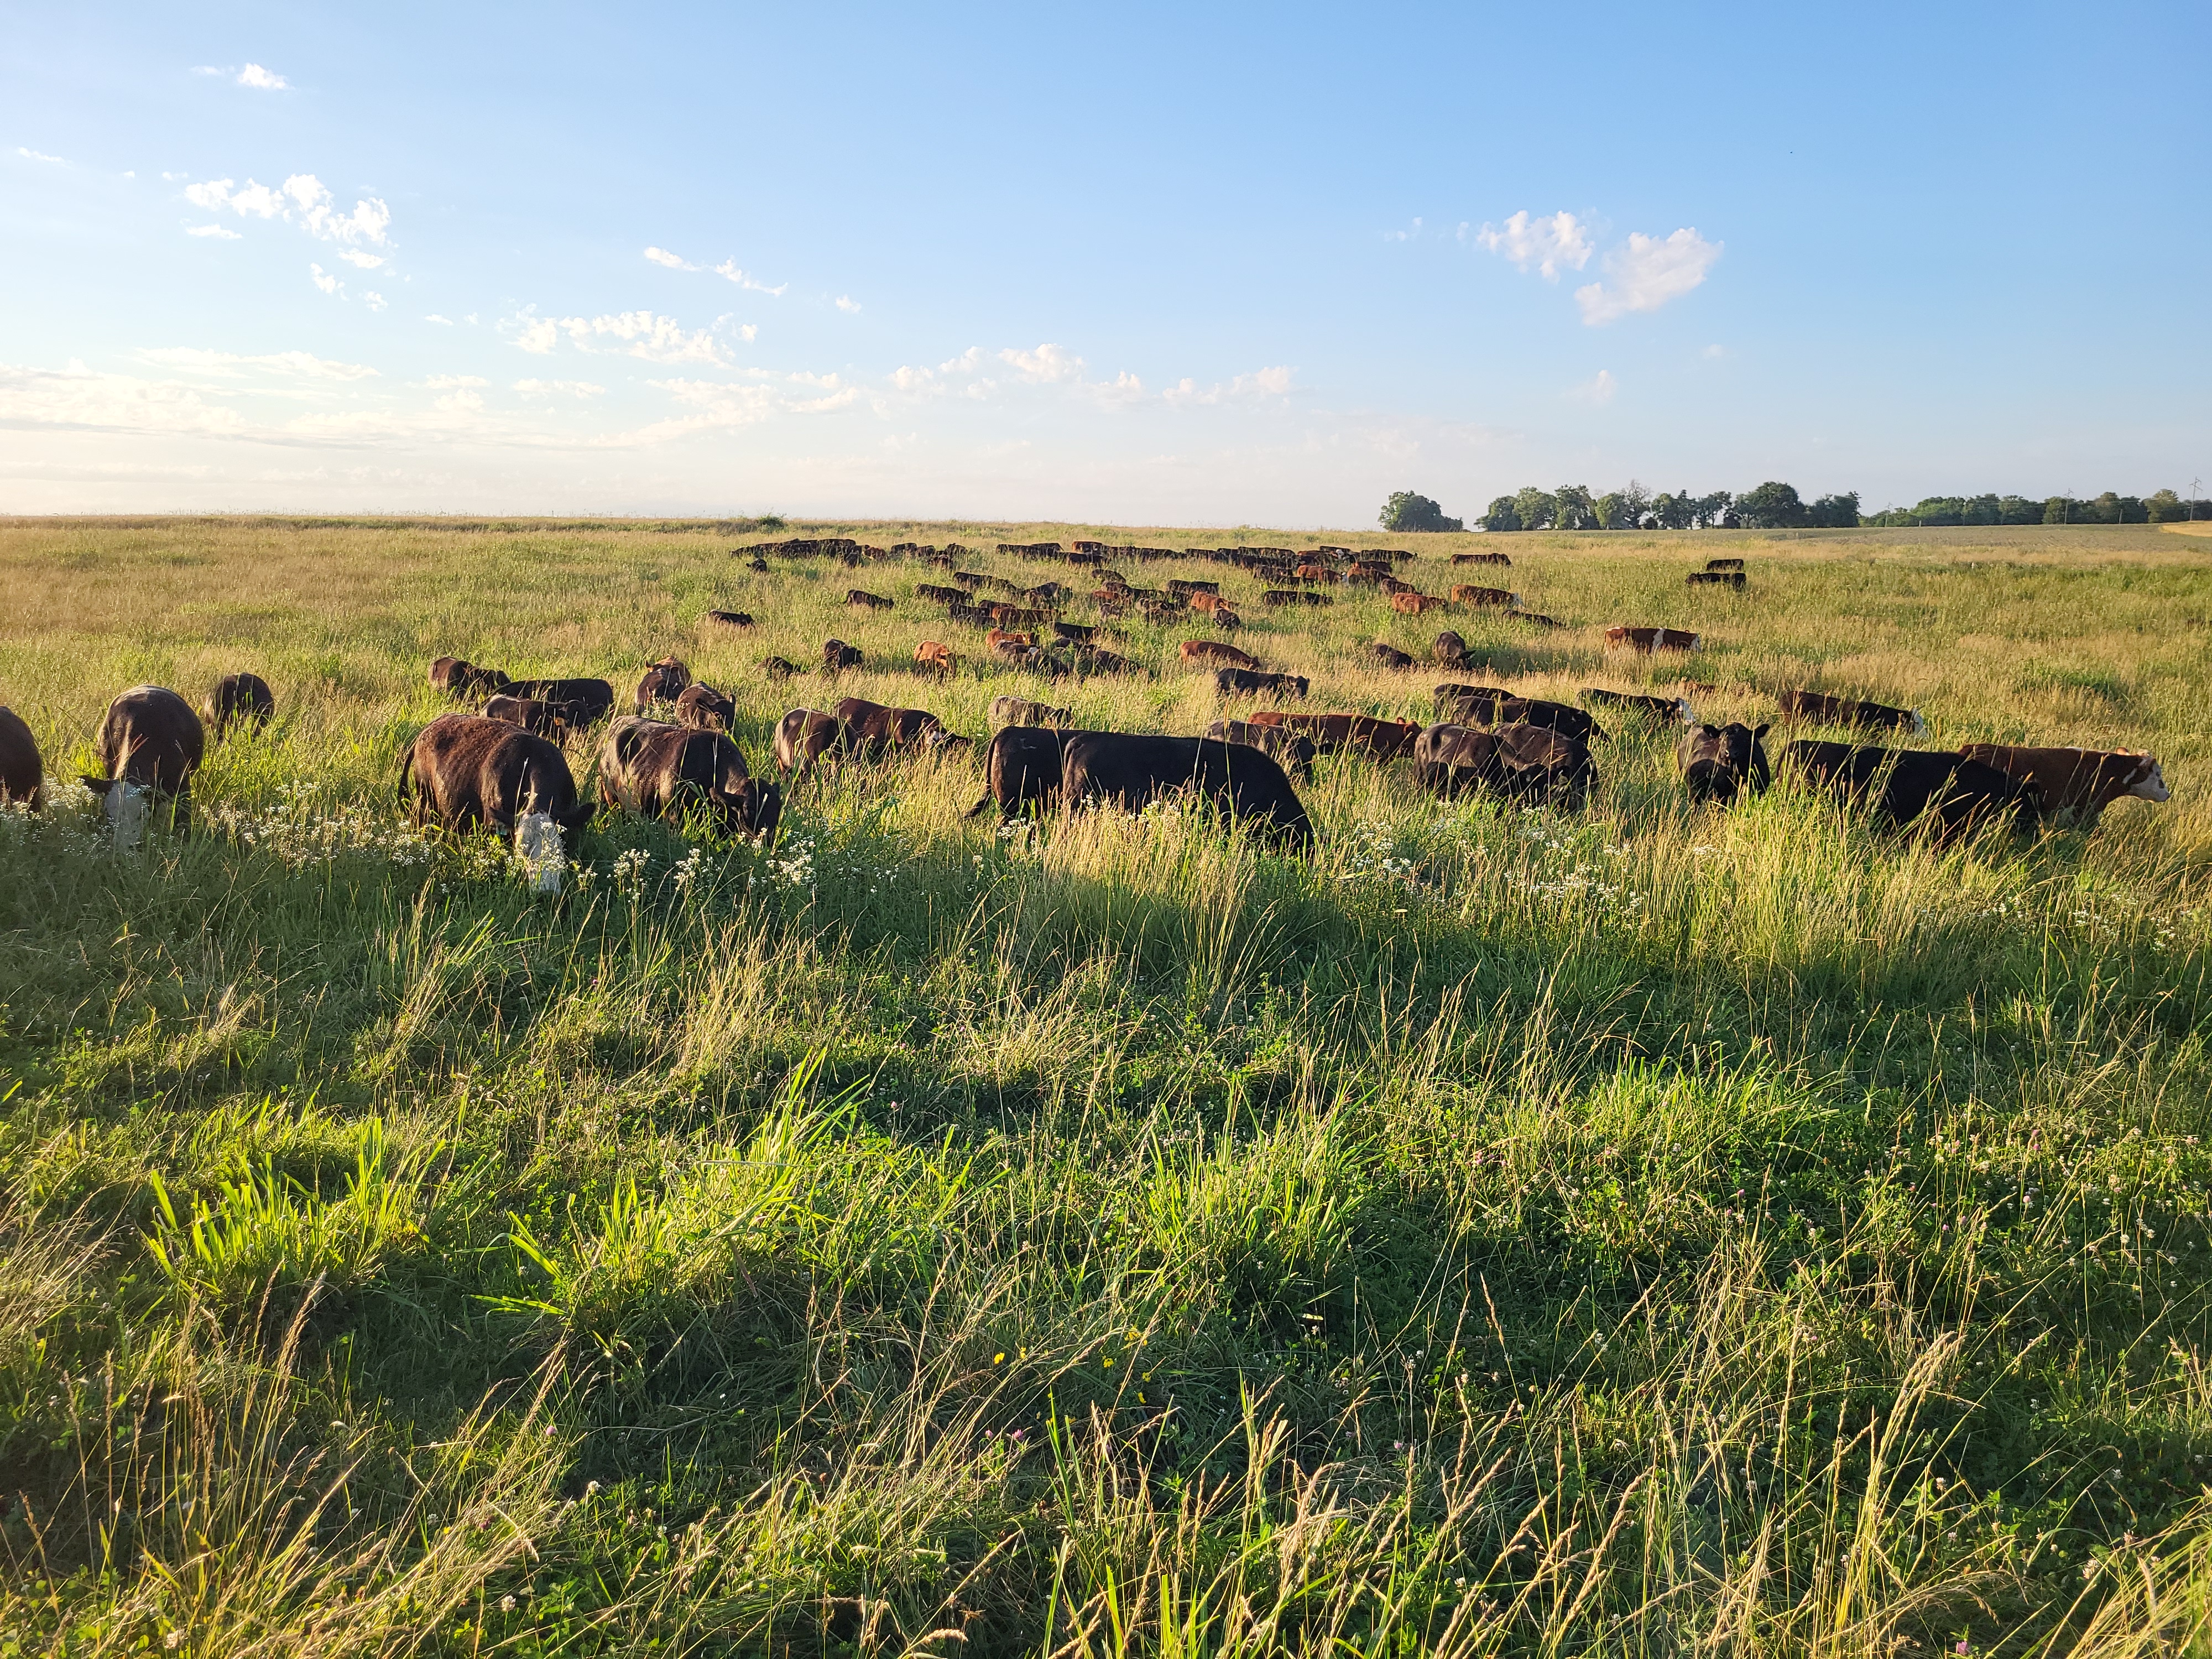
<point>506,767</point>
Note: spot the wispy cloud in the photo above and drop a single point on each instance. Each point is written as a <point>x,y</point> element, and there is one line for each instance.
<point>374,300</point>
<point>661,256</point>
<point>1544,243</point>
<point>38,156</point>
<point>1645,273</point>
<point>1260,384</point>
<point>557,388</point>
<point>728,268</point>
<point>847,302</point>
<point>354,256</point>
<point>220,231</point>
<point>238,366</point>
<point>449,382</point>
<point>442,322</point>
<point>1598,391</point>
<point>80,397</point>
<point>262,79</point>
<point>638,333</point>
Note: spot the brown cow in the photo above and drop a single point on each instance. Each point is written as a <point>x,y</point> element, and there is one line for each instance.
<point>1378,739</point>
<point>22,773</point>
<point>661,771</point>
<point>871,601</point>
<point>1208,602</point>
<point>151,744</point>
<point>1450,649</point>
<point>1213,652</point>
<point>1389,656</point>
<point>1294,749</point>
<point>1003,636</point>
<point>238,699</point>
<point>933,658</point>
<point>1481,558</point>
<point>779,668</point>
<point>1020,711</point>
<point>2077,784</point>
<point>1413,605</point>
<point>705,708</point>
<point>663,682</point>
<point>803,737</point>
<point>1467,594</point>
<point>464,770</point>
<point>874,729</point>
<point>1850,711</point>
<point>1650,639</point>
<point>458,679</point>
<point>547,720</point>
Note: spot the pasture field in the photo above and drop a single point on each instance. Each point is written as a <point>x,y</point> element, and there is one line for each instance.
<point>1646,1231</point>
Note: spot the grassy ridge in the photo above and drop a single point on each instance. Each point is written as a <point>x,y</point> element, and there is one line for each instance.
<point>1503,1232</point>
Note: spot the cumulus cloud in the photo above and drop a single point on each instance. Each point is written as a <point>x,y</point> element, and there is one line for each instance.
<point>223,232</point>
<point>556,388</point>
<point>847,302</point>
<point>538,335</point>
<point>323,280</point>
<point>442,322</point>
<point>262,79</point>
<point>234,365</point>
<point>1260,384</point>
<point>301,199</point>
<point>354,256</point>
<point>375,301</point>
<point>661,256</point>
<point>1645,273</point>
<point>1543,243</point>
<point>1598,391</point>
<point>728,268</point>
<point>1047,364</point>
<point>644,334</point>
<point>38,156</point>
<point>80,397</point>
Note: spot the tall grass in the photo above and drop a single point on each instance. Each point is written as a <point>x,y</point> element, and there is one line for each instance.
<point>1652,1231</point>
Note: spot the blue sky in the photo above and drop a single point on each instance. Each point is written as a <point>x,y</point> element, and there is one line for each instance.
<point>1130,264</point>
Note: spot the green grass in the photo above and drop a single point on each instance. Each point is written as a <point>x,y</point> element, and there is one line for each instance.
<point>1644,1232</point>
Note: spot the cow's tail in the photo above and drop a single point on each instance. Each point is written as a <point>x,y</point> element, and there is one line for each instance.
<point>406,780</point>
<point>978,809</point>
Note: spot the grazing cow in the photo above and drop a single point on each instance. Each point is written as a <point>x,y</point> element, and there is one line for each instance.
<point>1723,564</point>
<point>1227,620</point>
<point>836,654</point>
<point>1293,749</point>
<point>238,698</point>
<point>1183,590</point>
<point>779,668</point>
<point>1481,558</point>
<point>756,563</point>
<point>1131,770</point>
<point>547,720</point>
<point>22,772</point>
<point>1249,683</point>
<point>941,595</point>
<point>464,770</point>
<point>1847,711</point>
<point>587,700</point>
<point>1904,785</point>
<point>1542,764</point>
<point>1212,651</point>
<point>2076,784</point>
<point>1638,706</point>
<point>934,657</point>
<point>731,618</point>
<point>1715,578</point>
<point>663,682</point>
<point>873,729</point>
<point>1090,660</point>
<point>1719,762</point>
<point>1413,605</point>
<point>659,770</point>
<point>1536,619</point>
<point>999,637</point>
<point>151,744</point>
<point>1449,758</point>
<point>803,737</point>
<point>1021,770</point>
<point>457,678</point>
<point>1450,649</point>
<point>1650,639</point>
<point>704,708</point>
<point>1208,603</point>
<point>1389,655</point>
<point>1465,593</point>
<point>1074,633</point>
<point>1482,706</point>
<point>1020,711</point>
<point>871,601</point>
<point>1378,739</point>
<point>1015,616</point>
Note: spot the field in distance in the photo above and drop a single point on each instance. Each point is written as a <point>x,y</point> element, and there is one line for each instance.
<point>1631,1230</point>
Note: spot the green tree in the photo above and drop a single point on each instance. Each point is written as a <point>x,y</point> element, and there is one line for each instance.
<point>1573,509</point>
<point>2164,507</point>
<point>1835,512</point>
<point>1612,511</point>
<point>1773,506</point>
<point>2018,509</point>
<point>1538,511</point>
<point>1502,515</point>
<point>1407,511</point>
<point>2062,509</point>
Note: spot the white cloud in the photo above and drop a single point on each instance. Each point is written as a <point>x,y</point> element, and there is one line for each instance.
<point>208,69</point>
<point>1645,273</point>
<point>302,200</point>
<point>213,230</point>
<point>1046,364</point>
<point>1260,383</point>
<point>354,256</point>
<point>459,402</point>
<point>1407,235</point>
<point>447,382</point>
<point>38,156</point>
<point>644,334</point>
<point>78,396</point>
<point>555,388</point>
<point>1545,244</point>
<point>729,268</point>
<point>539,335</point>
<point>232,364</point>
<point>375,301</point>
<point>661,256</point>
<point>847,302</point>
<point>264,80</point>
<point>442,322</point>
<point>172,177</point>
<point>907,377</point>
<point>323,280</point>
<point>1598,390</point>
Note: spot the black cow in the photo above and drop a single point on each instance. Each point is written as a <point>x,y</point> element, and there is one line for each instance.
<point>664,682</point>
<point>662,771</point>
<point>803,737</point>
<point>1720,762</point>
<point>238,699</point>
<point>1723,564</point>
<point>1022,770</point>
<point>1639,706</point>
<point>547,720</point>
<point>1905,785</point>
<point>458,679</point>
<point>1481,706</point>
<point>1251,683</point>
<point>779,668</point>
<point>151,744</point>
<point>1449,758</point>
<point>1294,749</point>
<point>464,770</point>
<point>1715,578</point>
<point>836,654</point>
<point>873,729</point>
<point>1849,711</point>
<point>1542,763</point>
<point>587,700</point>
<point>22,772</point>
<point>703,707</point>
<point>1389,656</point>
<point>1132,770</point>
<point>1450,649</point>
<point>731,618</point>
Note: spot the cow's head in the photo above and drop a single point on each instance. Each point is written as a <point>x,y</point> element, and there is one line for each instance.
<point>539,849</point>
<point>126,806</point>
<point>2149,781</point>
<point>1919,723</point>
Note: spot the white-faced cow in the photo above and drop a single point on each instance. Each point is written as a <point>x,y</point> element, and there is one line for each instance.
<point>2076,784</point>
<point>465,770</point>
<point>151,744</point>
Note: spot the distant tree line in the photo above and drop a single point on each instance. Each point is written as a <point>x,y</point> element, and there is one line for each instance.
<point>2163,507</point>
<point>1570,507</point>
<point>1406,510</point>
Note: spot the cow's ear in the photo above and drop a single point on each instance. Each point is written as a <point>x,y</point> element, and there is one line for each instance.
<point>577,816</point>
<point>98,786</point>
<point>1759,731</point>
